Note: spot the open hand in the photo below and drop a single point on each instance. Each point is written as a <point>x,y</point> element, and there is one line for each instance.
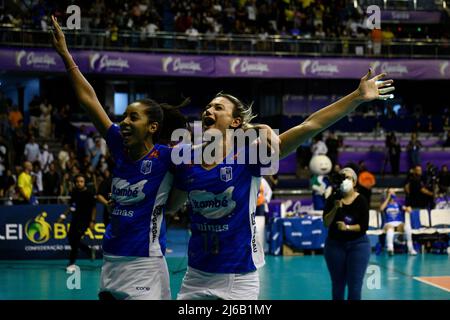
<point>371,89</point>
<point>59,40</point>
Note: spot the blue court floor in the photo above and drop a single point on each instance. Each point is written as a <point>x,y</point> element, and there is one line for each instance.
<point>297,278</point>
<point>302,278</point>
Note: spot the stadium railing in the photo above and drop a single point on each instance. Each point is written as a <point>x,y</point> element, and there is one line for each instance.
<point>274,45</point>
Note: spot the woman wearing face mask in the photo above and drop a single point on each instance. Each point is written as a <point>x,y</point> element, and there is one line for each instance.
<point>394,217</point>
<point>347,248</point>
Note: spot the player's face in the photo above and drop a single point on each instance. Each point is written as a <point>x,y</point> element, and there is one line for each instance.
<point>135,126</point>
<point>80,183</point>
<point>218,114</point>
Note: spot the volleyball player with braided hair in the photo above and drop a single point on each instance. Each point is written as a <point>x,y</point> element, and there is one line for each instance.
<point>223,252</point>
<point>134,244</point>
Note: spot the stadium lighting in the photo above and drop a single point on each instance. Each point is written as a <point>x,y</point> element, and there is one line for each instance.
<point>444,4</point>
<point>355,3</point>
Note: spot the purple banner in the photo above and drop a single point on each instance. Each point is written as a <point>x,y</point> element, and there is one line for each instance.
<point>30,60</point>
<point>411,16</point>
<point>127,63</point>
<point>147,64</point>
<point>261,67</point>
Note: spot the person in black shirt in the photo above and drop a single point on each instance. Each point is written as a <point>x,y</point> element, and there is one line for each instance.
<point>333,144</point>
<point>347,248</point>
<point>83,216</point>
<point>418,196</point>
<point>103,195</point>
<point>51,181</point>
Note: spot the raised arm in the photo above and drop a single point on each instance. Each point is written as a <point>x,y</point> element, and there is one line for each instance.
<point>83,90</point>
<point>369,89</point>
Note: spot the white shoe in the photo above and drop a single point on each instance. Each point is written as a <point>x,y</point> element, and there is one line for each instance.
<point>71,269</point>
<point>412,252</point>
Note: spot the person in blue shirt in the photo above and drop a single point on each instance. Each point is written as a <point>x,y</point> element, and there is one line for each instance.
<point>134,243</point>
<point>223,253</point>
<point>394,219</point>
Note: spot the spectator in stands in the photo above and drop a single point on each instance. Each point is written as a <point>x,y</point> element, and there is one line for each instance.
<point>32,150</point>
<point>82,207</point>
<point>15,116</point>
<point>45,158</point>
<point>394,219</point>
<point>418,196</point>
<point>45,120</point>
<point>394,151</point>
<point>8,187</point>
<point>64,157</point>
<point>104,195</point>
<point>19,140</point>
<point>413,149</point>
<point>447,140</point>
<point>264,197</point>
<point>52,182</point>
<point>347,248</point>
<point>366,181</point>
<point>34,112</point>
<point>4,159</point>
<point>66,185</point>
<point>25,184</point>
<point>444,179</point>
<point>318,147</point>
<point>38,186</point>
<point>333,144</point>
<point>80,142</point>
<point>193,35</point>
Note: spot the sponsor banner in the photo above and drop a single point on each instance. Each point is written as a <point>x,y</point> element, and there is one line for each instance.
<point>32,232</point>
<point>136,63</point>
<point>147,64</point>
<point>410,16</point>
<point>256,67</point>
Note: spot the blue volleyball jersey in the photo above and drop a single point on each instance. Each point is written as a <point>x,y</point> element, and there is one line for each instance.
<point>140,190</point>
<point>394,213</point>
<point>222,213</point>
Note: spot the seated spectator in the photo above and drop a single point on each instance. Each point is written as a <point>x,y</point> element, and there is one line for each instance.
<point>417,195</point>
<point>394,219</point>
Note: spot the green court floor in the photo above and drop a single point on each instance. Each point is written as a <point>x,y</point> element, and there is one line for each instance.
<point>302,278</point>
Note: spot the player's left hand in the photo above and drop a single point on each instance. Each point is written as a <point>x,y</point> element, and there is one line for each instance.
<point>374,88</point>
<point>341,226</point>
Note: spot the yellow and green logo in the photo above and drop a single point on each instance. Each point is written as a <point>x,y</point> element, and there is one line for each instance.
<point>38,230</point>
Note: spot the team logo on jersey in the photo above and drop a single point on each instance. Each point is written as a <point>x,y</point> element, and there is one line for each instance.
<point>126,194</point>
<point>146,166</point>
<point>226,174</point>
<point>211,205</point>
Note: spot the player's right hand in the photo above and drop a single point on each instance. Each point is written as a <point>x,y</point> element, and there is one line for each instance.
<point>59,40</point>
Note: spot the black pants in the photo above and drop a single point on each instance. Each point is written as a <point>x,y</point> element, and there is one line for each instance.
<point>76,232</point>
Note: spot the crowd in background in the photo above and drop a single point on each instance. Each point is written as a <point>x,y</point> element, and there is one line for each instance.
<point>305,18</point>
<point>74,148</point>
